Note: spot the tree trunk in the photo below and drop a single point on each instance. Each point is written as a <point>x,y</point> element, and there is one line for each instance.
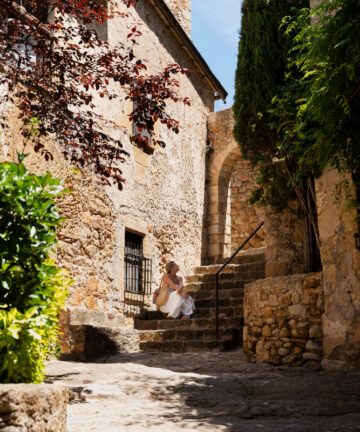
<point>312,260</point>
<point>310,249</point>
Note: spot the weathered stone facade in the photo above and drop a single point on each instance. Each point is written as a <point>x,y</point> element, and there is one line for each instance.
<point>244,217</point>
<point>33,407</point>
<point>283,320</point>
<point>284,234</point>
<point>341,268</point>
<point>229,182</point>
<point>231,219</point>
<point>182,11</point>
<point>162,200</point>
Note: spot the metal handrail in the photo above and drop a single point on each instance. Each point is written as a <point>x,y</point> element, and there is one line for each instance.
<point>228,261</point>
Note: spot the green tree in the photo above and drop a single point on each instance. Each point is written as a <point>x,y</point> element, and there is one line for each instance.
<point>268,89</point>
<point>329,55</point>
<point>262,58</point>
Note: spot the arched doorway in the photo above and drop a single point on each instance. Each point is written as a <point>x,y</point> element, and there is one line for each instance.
<point>230,180</point>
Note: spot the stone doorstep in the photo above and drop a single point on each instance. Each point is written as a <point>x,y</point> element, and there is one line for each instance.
<point>196,324</point>
<point>187,334</point>
<point>189,345</point>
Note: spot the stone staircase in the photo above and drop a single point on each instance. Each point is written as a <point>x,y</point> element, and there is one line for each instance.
<point>158,333</point>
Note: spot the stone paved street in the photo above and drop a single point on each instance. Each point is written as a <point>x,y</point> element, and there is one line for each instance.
<point>204,392</point>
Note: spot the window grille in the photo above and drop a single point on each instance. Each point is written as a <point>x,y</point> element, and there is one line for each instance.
<point>138,269</point>
<point>137,274</point>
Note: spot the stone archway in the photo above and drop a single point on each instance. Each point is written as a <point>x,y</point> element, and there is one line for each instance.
<point>228,221</point>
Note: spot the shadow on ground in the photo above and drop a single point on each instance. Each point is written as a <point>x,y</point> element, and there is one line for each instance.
<point>222,392</point>
<point>291,399</point>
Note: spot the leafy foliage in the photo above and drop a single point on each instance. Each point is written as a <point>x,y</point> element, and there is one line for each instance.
<point>314,115</point>
<point>32,288</point>
<point>53,67</point>
<point>271,128</point>
<point>329,56</point>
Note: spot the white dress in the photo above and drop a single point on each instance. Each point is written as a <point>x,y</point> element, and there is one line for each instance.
<point>177,304</point>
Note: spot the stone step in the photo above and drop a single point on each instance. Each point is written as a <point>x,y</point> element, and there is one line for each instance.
<point>240,276</point>
<point>189,345</point>
<point>187,334</point>
<point>234,293</point>
<point>195,323</point>
<point>231,268</point>
<point>200,312</point>
<point>224,285</point>
<point>223,302</point>
<point>224,312</point>
<point>248,255</point>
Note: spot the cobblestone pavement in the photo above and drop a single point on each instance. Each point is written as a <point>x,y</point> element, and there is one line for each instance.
<point>204,392</point>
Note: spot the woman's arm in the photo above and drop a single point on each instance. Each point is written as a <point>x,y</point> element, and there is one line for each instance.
<point>171,284</point>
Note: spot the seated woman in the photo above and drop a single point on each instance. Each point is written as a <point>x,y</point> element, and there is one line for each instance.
<point>172,300</point>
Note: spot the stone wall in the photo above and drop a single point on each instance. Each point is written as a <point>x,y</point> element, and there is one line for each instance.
<point>284,233</point>
<point>33,408</point>
<point>244,217</point>
<point>283,320</point>
<point>341,269</point>
<point>229,182</point>
<point>230,219</point>
<point>182,12</point>
<point>89,334</point>
<point>163,197</point>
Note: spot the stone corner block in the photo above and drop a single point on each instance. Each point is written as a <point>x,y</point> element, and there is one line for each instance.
<point>33,407</point>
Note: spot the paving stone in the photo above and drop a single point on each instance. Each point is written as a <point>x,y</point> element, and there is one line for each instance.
<point>205,392</point>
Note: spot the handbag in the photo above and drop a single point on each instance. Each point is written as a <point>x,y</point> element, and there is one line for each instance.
<point>164,292</point>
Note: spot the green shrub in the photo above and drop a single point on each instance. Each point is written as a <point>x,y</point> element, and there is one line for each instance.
<point>32,289</point>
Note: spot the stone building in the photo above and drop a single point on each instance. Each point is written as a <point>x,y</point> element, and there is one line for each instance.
<point>115,243</point>
<point>188,202</point>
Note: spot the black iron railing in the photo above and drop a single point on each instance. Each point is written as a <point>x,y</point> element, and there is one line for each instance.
<point>228,261</point>
<point>137,276</point>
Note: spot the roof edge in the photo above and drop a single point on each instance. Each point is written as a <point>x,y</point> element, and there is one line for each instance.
<point>172,23</point>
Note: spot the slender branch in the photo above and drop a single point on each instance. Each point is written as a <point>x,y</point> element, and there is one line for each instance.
<point>21,13</point>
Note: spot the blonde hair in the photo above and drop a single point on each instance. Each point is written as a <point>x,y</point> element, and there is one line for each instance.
<point>169,266</point>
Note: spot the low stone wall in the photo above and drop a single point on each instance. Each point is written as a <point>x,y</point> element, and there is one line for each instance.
<point>87,334</point>
<point>33,407</point>
<point>283,320</point>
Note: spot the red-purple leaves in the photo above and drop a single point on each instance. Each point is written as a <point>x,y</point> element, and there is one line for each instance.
<point>52,72</point>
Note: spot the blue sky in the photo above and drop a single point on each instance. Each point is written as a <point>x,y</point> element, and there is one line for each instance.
<point>215,33</point>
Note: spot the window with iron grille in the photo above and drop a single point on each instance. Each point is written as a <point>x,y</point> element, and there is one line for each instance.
<point>137,275</point>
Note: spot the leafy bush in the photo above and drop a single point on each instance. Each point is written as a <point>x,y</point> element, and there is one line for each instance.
<point>32,289</point>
